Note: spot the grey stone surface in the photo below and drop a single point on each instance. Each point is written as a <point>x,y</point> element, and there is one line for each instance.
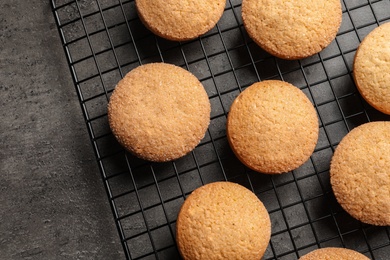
<point>52,201</point>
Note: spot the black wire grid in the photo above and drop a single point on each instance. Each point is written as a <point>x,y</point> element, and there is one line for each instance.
<point>104,39</point>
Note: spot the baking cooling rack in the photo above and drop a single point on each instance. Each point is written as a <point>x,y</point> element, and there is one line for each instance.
<point>104,39</point>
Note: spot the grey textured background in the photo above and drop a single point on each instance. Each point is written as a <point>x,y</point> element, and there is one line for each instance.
<point>52,201</point>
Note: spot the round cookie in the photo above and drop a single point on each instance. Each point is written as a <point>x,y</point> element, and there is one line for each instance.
<point>334,253</point>
<point>180,20</point>
<point>360,173</point>
<point>371,68</point>
<point>159,112</point>
<point>272,127</point>
<point>292,29</point>
<point>222,220</point>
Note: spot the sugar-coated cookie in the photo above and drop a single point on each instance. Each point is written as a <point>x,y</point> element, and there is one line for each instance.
<point>180,20</point>
<point>371,68</point>
<point>360,173</point>
<point>159,112</point>
<point>334,253</point>
<point>292,29</point>
<point>272,127</point>
<point>222,220</point>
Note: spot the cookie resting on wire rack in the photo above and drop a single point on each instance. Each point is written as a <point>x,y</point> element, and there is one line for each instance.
<point>371,68</point>
<point>272,127</point>
<point>222,220</point>
<point>360,173</point>
<point>292,29</point>
<point>334,253</point>
<point>159,112</point>
<point>180,20</point>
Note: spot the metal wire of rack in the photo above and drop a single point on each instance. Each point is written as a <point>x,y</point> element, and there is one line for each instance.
<point>104,39</point>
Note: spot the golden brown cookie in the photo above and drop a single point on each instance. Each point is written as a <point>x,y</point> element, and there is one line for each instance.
<point>360,173</point>
<point>272,127</point>
<point>372,68</point>
<point>222,220</point>
<point>180,20</point>
<point>334,253</point>
<point>292,29</point>
<point>159,112</point>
